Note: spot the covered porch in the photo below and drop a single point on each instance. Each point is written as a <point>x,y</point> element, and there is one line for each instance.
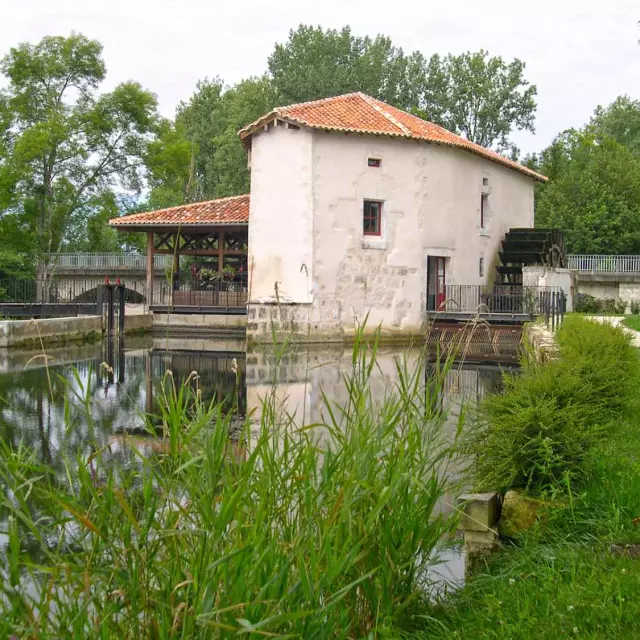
<point>207,246</point>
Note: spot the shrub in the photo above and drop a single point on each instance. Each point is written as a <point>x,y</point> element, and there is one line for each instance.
<point>614,306</point>
<point>634,307</point>
<point>584,303</point>
<point>537,433</point>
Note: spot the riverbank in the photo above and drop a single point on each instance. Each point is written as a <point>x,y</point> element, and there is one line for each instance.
<point>573,574</point>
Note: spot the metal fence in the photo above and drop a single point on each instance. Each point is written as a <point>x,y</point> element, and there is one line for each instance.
<point>57,298</point>
<point>108,261</point>
<point>604,264</point>
<point>207,296</point>
<point>509,300</point>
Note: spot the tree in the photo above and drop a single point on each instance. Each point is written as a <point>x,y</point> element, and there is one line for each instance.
<point>620,121</point>
<point>200,157</point>
<point>480,97</point>
<point>315,63</point>
<point>593,193</point>
<point>67,148</point>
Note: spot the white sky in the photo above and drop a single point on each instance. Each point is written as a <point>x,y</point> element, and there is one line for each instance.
<point>580,53</point>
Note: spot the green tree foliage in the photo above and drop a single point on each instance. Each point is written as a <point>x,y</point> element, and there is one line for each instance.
<point>200,157</point>
<point>315,63</point>
<point>481,97</point>
<point>66,148</point>
<point>593,192</point>
<point>620,121</point>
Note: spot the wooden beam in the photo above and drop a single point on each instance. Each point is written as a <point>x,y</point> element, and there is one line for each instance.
<point>150,252</point>
<point>202,252</point>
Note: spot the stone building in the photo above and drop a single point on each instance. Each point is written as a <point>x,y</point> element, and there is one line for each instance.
<point>357,209</point>
<point>360,209</point>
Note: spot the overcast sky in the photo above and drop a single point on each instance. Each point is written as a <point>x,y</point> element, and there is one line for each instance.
<point>579,53</point>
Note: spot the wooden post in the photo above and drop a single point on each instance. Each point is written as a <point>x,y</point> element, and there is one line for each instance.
<point>150,270</point>
<point>221,238</point>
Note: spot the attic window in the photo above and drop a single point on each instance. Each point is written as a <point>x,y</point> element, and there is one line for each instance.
<point>374,162</point>
<point>295,127</point>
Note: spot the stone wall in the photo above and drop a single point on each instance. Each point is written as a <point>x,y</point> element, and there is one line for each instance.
<point>540,276</point>
<point>14,333</point>
<point>619,286</point>
<point>541,342</point>
<point>321,323</point>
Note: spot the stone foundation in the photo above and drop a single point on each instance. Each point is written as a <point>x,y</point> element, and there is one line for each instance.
<point>541,342</point>
<point>316,322</point>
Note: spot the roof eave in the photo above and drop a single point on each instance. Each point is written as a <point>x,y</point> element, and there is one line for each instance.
<point>148,226</point>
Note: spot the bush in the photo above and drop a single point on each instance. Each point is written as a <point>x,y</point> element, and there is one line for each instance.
<point>634,307</point>
<point>614,306</point>
<point>585,303</point>
<point>537,433</point>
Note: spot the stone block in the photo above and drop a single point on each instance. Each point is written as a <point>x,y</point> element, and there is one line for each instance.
<point>481,511</point>
<point>488,538</point>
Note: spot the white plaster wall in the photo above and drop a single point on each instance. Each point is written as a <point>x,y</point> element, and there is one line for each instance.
<point>431,198</point>
<point>550,277</point>
<point>281,216</point>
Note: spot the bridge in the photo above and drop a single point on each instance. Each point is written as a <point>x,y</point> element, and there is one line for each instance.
<point>72,282</point>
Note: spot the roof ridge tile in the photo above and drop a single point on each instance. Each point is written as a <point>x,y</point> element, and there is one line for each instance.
<point>372,102</point>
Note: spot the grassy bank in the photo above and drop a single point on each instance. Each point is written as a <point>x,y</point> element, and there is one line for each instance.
<point>561,579</point>
<point>320,532</point>
<point>632,322</point>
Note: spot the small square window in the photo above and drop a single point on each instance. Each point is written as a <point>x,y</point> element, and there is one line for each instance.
<point>485,182</point>
<point>372,218</point>
<point>374,162</point>
<point>481,268</point>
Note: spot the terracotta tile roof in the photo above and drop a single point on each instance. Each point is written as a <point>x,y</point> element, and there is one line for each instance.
<point>359,113</point>
<point>233,210</point>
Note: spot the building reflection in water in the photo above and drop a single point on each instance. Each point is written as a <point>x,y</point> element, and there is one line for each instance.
<point>120,383</point>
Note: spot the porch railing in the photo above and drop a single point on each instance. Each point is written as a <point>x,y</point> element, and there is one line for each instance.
<point>196,294</point>
<point>511,300</point>
<point>108,261</point>
<point>604,264</point>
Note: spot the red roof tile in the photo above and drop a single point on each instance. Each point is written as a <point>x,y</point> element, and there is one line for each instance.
<point>359,113</point>
<point>233,210</point>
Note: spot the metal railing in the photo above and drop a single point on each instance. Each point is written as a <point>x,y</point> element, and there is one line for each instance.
<point>513,300</point>
<point>55,298</point>
<point>197,294</point>
<point>604,264</point>
<point>107,261</point>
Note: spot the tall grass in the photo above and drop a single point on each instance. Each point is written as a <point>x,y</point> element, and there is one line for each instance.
<point>309,531</point>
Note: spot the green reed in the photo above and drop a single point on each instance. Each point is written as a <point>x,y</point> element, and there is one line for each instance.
<point>309,531</point>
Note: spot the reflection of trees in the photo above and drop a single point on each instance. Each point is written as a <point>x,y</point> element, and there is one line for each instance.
<point>74,408</point>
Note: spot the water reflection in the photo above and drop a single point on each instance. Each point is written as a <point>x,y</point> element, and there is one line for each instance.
<point>97,396</point>
<point>89,396</point>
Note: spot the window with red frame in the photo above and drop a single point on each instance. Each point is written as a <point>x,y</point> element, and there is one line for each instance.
<point>372,218</point>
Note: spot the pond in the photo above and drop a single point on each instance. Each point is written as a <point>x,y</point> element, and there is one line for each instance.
<point>98,396</point>
<point>121,382</point>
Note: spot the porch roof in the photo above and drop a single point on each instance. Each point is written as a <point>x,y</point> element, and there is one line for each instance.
<point>233,211</point>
